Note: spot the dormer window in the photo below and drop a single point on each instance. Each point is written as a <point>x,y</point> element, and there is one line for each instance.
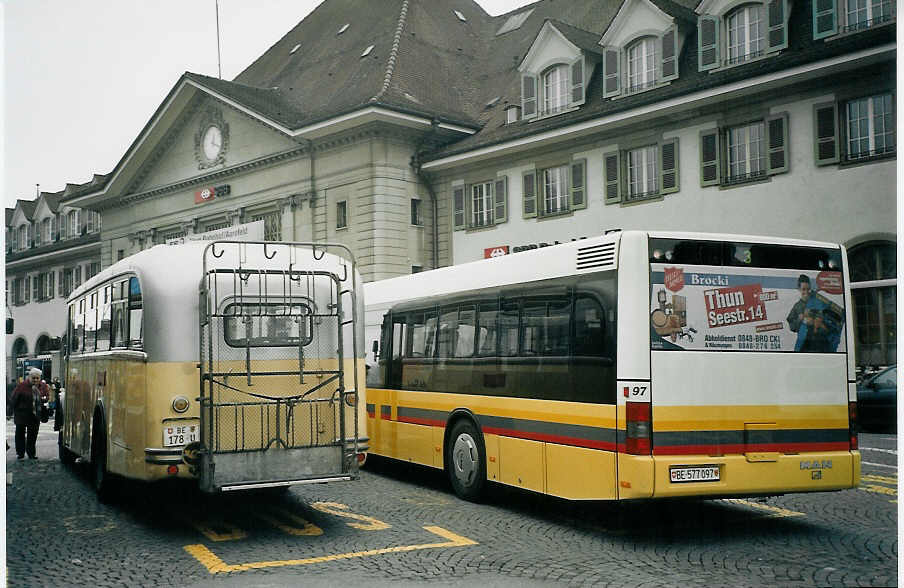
<point>831,17</point>
<point>555,89</point>
<point>642,56</point>
<point>745,33</point>
<point>741,34</point>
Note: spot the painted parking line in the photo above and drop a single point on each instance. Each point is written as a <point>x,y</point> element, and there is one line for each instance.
<point>879,465</point>
<point>219,530</point>
<point>877,488</point>
<point>773,511</point>
<point>304,528</point>
<point>878,478</point>
<point>215,565</point>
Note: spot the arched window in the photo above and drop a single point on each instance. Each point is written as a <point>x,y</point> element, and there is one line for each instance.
<point>20,348</point>
<point>745,27</point>
<point>555,89</point>
<point>873,268</point>
<point>641,56</point>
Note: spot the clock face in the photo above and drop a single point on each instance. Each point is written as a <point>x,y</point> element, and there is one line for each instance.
<point>212,142</point>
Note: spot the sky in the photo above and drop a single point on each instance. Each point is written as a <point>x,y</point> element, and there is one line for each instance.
<point>81,78</point>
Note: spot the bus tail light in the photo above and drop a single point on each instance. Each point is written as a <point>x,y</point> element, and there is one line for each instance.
<point>639,428</point>
<point>852,424</point>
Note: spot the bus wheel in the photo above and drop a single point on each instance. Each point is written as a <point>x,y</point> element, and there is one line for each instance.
<point>100,477</point>
<point>466,461</point>
<point>67,458</point>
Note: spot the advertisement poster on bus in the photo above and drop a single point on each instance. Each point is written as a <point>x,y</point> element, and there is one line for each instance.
<point>705,308</point>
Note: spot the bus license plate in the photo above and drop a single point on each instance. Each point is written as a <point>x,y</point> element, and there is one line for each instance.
<point>180,435</point>
<point>694,474</point>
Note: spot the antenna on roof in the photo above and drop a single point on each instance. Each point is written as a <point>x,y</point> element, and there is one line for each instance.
<point>219,68</point>
<point>37,190</point>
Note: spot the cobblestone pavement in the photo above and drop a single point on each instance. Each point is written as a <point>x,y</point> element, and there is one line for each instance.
<point>401,525</point>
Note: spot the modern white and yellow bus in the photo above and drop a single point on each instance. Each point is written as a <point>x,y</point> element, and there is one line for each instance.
<point>233,363</point>
<point>632,365</point>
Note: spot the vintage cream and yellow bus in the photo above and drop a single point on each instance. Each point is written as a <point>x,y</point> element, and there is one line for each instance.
<point>233,363</point>
<point>632,365</point>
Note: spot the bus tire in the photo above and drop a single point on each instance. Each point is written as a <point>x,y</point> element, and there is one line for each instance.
<point>466,463</point>
<point>67,458</point>
<point>100,477</point>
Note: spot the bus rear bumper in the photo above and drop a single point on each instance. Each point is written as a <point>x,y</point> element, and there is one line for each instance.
<point>755,474</point>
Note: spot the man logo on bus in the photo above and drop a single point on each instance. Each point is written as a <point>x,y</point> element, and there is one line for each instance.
<point>674,278</point>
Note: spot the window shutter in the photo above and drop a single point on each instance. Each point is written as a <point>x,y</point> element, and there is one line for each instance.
<point>611,168</point>
<point>777,143</point>
<point>668,166</point>
<point>60,285</point>
<point>825,21</point>
<point>777,15</point>
<point>579,184</point>
<point>709,157</point>
<point>25,286</point>
<point>81,222</point>
<point>528,96</point>
<point>50,277</point>
<point>36,288</point>
<point>708,42</point>
<point>529,194</point>
<point>458,208</point>
<point>611,73</point>
<point>825,117</point>
<point>577,81</point>
<point>501,200</point>
<point>669,54</point>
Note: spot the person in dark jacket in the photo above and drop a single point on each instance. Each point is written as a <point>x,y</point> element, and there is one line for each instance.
<point>26,402</point>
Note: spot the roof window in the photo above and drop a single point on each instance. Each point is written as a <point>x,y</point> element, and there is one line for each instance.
<point>514,22</point>
<point>367,51</point>
<point>460,16</point>
<point>343,29</point>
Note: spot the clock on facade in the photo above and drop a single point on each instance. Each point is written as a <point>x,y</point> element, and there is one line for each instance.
<point>211,139</point>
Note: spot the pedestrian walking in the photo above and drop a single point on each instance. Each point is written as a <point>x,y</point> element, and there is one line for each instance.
<point>26,403</point>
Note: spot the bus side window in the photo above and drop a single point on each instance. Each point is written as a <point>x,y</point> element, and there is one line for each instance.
<point>79,339</point>
<point>589,327</point>
<point>103,328</point>
<point>414,346</point>
<point>395,369</point>
<point>464,339</point>
<point>135,313</point>
<point>448,329</point>
<point>508,328</point>
<point>533,327</point>
<point>487,329</point>
<point>430,334</point>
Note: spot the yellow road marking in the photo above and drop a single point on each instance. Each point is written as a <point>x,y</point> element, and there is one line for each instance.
<point>215,565</point>
<point>880,489</point>
<point>877,478</point>
<point>306,529</point>
<point>774,511</point>
<point>233,533</point>
<point>340,510</point>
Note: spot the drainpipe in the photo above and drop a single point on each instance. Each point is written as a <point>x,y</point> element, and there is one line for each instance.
<point>313,191</point>
<point>424,178</point>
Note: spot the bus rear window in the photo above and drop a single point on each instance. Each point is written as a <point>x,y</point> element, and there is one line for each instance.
<point>267,325</point>
<point>739,254</point>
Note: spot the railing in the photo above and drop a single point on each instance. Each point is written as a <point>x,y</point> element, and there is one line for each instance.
<point>640,87</point>
<point>746,57</point>
<point>867,24</point>
<point>870,154</point>
<point>743,178</point>
<point>640,196</point>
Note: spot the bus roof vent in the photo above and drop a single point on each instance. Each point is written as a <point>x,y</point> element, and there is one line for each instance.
<point>596,256</point>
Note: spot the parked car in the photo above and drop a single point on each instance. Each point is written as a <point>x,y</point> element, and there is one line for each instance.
<point>877,401</point>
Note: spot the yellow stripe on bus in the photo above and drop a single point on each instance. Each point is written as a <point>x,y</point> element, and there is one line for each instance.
<point>724,417</point>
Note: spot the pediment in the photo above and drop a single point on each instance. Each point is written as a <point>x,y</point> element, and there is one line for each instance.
<point>550,46</point>
<point>635,18</point>
<point>181,153</point>
<point>19,217</point>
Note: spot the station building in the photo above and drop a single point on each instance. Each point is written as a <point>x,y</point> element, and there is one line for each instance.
<point>424,133</point>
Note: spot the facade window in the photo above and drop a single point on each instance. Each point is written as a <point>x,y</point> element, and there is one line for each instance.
<point>45,286</point>
<point>416,218</point>
<point>554,190</point>
<point>743,153</point>
<point>272,225</point>
<point>46,231</point>
<point>120,254</point>
<point>479,205</point>
<point>22,241</point>
<point>870,126</point>
<point>642,61</point>
<point>416,269</point>
<point>745,29</point>
<point>643,172</point>
<point>341,214</point>
<point>482,198</point>
<point>68,282</point>
<point>77,276</point>
<point>93,220</point>
<point>746,152</point>
<point>20,291</point>
<point>555,86</point>
<point>845,16</point>
<point>873,272</point>
<point>217,226</point>
<point>92,269</point>
<point>554,185</point>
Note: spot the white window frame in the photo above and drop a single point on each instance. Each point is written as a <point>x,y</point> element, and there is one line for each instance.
<point>643,172</point>
<point>22,237</point>
<point>73,222</point>
<point>555,186</point>
<point>745,36</point>
<point>866,8</point>
<point>642,63</point>
<point>47,230</point>
<point>741,141</point>
<point>867,116</point>
<point>482,205</point>
<point>555,89</point>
